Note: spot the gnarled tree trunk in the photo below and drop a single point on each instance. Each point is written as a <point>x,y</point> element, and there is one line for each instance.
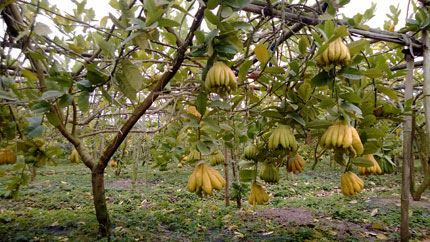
<point>99,198</point>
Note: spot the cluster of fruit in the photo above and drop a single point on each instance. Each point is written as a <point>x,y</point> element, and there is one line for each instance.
<point>350,183</point>
<point>342,136</point>
<point>257,195</point>
<point>7,156</point>
<point>220,79</point>
<point>216,158</point>
<point>269,173</point>
<point>295,163</point>
<point>74,156</point>
<point>194,155</point>
<point>204,179</point>
<point>336,53</point>
<point>250,152</point>
<point>112,163</point>
<point>375,169</point>
<point>282,136</point>
<point>193,111</point>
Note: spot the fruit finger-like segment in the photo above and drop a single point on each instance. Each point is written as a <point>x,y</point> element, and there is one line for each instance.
<point>329,133</point>
<point>218,176</point>
<point>192,182</point>
<point>207,185</point>
<point>276,135</point>
<point>214,181</point>
<point>343,187</point>
<point>333,138</point>
<point>347,139</point>
<point>282,139</point>
<point>325,57</point>
<point>331,52</point>
<point>355,184</point>
<point>361,170</point>
<point>356,141</point>
<point>337,50</point>
<point>199,175</point>
<point>340,135</point>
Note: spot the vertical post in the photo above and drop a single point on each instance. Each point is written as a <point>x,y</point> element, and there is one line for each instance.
<point>426,90</point>
<point>407,152</point>
<point>227,182</point>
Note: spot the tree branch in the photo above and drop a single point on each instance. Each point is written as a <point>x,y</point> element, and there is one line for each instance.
<point>162,82</point>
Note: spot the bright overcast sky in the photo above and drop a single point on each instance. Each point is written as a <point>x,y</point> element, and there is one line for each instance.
<point>102,7</point>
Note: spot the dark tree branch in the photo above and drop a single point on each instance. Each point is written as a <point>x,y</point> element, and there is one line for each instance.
<point>162,82</point>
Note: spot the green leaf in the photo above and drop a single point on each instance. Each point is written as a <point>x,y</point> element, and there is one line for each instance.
<point>297,118</point>
<point>83,101</point>
<point>41,29</point>
<point>228,137</point>
<point>31,76</point>
<point>53,118</point>
<point>51,94</point>
<point>52,151</point>
<point>163,22</point>
<point>274,70</point>
<point>321,79</point>
<point>84,85</point>
<point>272,114</point>
<point>304,91</point>
<point>226,49</point>
<point>351,73</point>
<point>319,124</point>
<point>132,74</point>
<point>243,71</point>
<point>202,147</point>
<point>373,73</point>
<point>212,124</point>
<point>211,4</point>
<point>65,100</point>
<point>388,91</point>
<point>351,97</point>
<point>34,128</point>
<point>210,17</point>
<point>201,102</point>
<point>41,107</point>
<point>361,161</point>
<point>357,46</point>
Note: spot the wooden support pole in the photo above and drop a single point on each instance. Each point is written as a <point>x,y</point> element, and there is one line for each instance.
<point>426,89</point>
<point>407,153</point>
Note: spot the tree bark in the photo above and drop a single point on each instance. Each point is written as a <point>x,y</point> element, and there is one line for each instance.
<point>102,213</point>
<point>227,182</point>
<point>424,153</point>
<point>407,154</point>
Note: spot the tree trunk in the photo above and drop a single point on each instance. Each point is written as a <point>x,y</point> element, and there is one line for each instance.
<point>235,177</point>
<point>407,154</point>
<point>424,153</point>
<point>227,182</point>
<point>102,213</point>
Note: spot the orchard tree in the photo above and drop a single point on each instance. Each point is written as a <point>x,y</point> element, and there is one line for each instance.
<point>262,78</point>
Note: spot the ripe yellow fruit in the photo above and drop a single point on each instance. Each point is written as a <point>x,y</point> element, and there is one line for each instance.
<point>220,79</point>
<point>7,156</point>
<point>295,163</point>
<point>375,169</point>
<point>282,138</point>
<point>257,195</point>
<point>74,156</point>
<point>336,53</point>
<point>193,111</point>
<point>112,163</point>
<point>204,179</point>
<point>342,136</point>
<point>350,183</point>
